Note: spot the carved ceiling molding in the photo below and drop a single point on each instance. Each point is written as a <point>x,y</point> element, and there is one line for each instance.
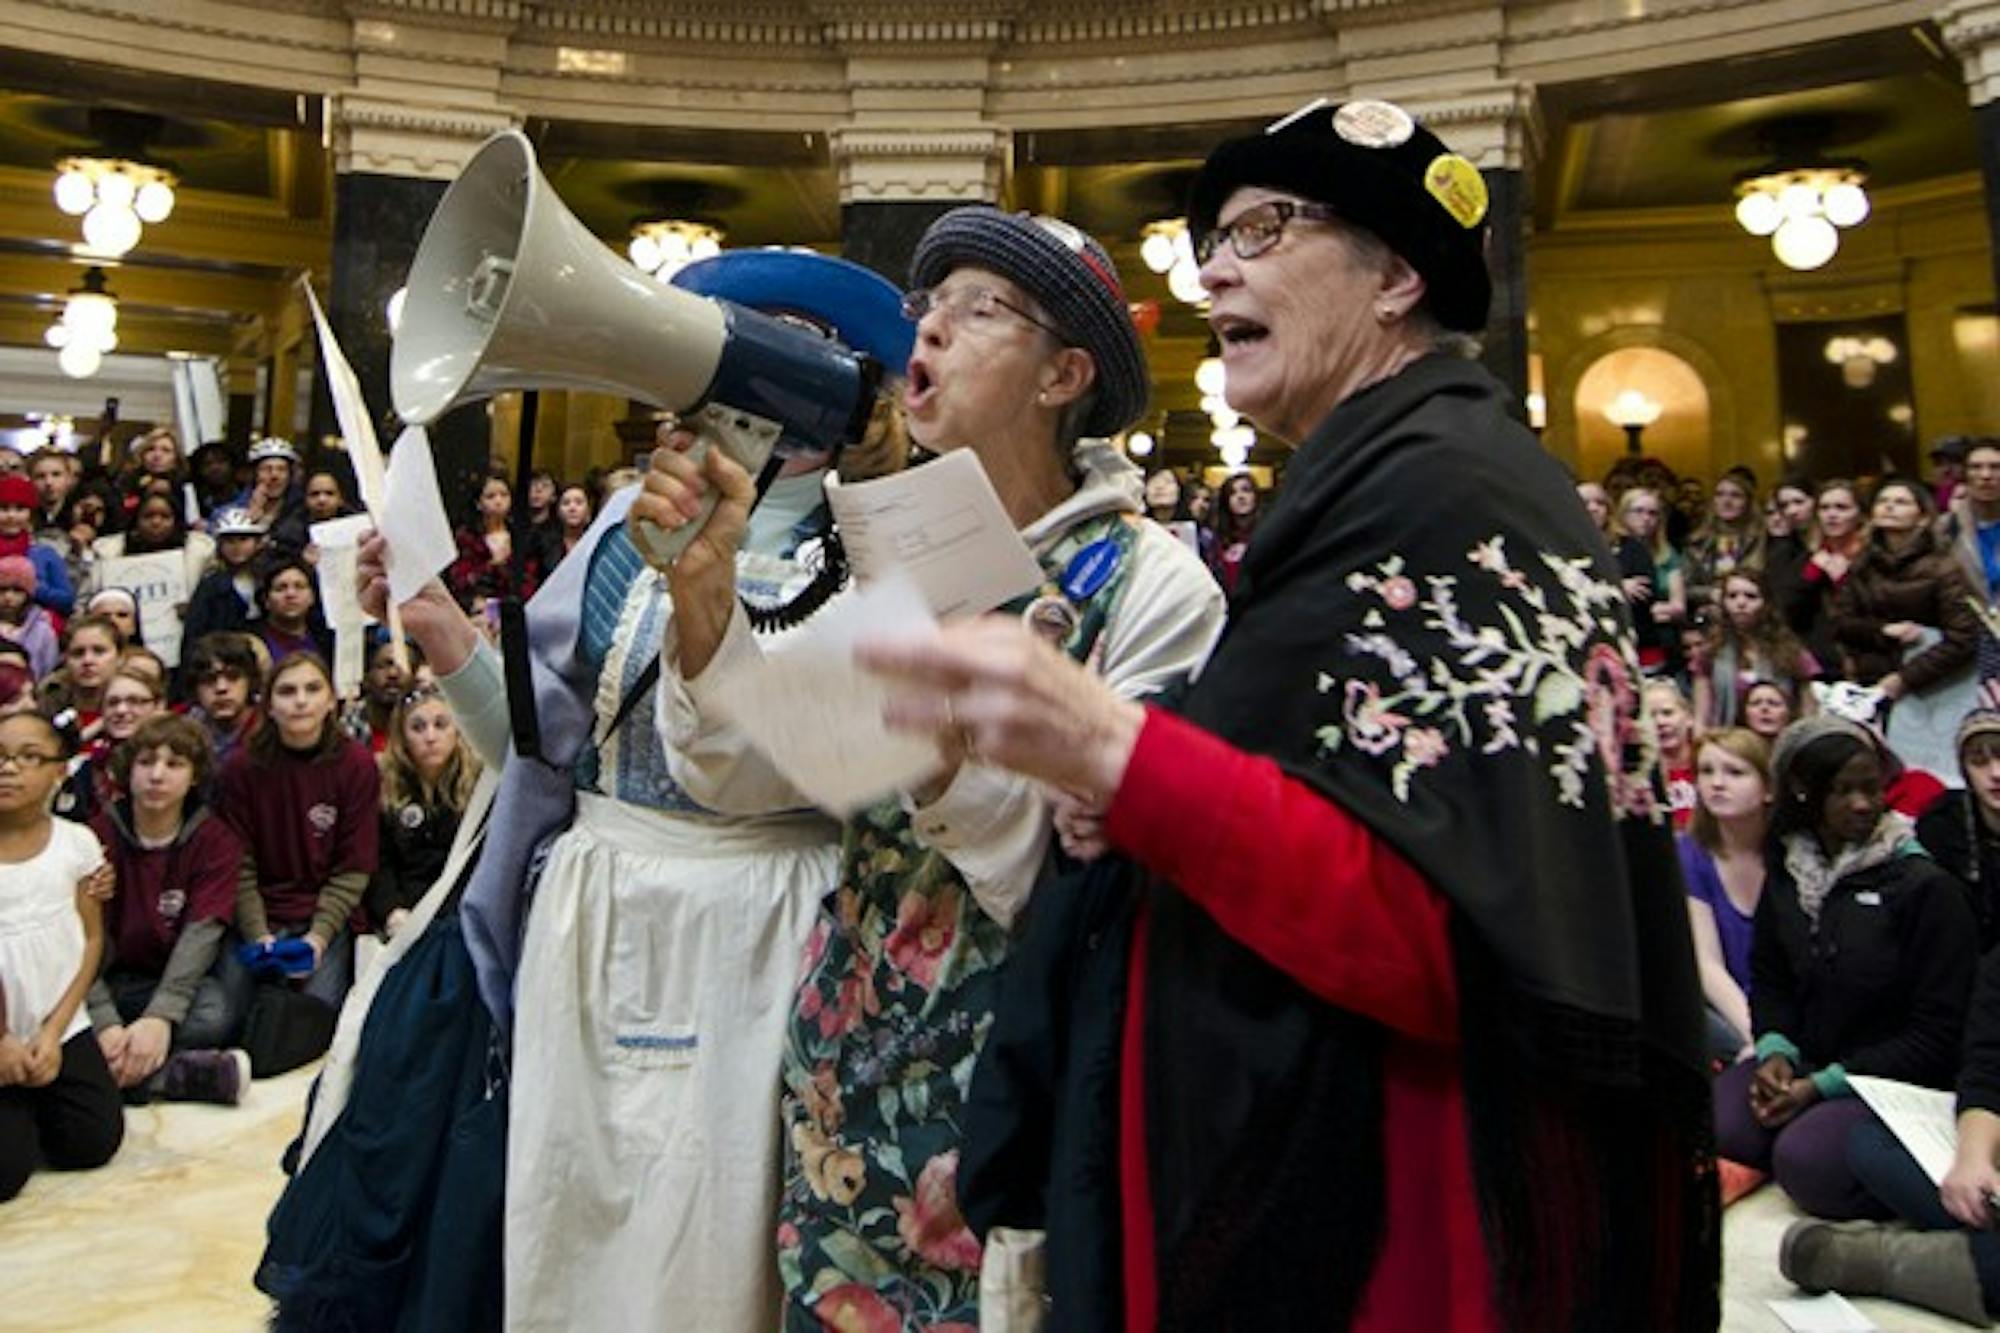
<point>507,13</point>
<point>428,140</point>
<point>876,165</point>
<point>1972,32</point>
<point>177,21</point>
<point>678,30</point>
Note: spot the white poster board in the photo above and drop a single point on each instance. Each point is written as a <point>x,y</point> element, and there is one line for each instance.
<point>159,582</point>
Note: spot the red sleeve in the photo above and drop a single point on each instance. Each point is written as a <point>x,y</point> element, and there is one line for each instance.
<point>215,858</point>
<point>1289,874</point>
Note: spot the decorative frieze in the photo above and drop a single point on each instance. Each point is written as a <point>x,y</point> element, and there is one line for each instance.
<point>882,165</point>
<point>1972,31</point>
<point>390,137</point>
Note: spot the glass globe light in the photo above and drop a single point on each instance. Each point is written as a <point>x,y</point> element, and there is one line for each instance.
<point>1758,213</point>
<point>1184,247</point>
<point>1157,252</point>
<point>111,229</point>
<point>1235,454</point>
<point>1211,377</point>
<point>1805,243</point>
<point>1139,444</point>
<point>1184,281</point>
<point>117,188</point>
<point>704,247</point>
<point>1846,205</point>
<point>1224,415</point>
<point>90,315</point>
<point>645,252</point>
<point>1799,200</point>
<point>154,202</point>
<point>75,193</point>
<point>57,336</point>
<point>79,360</point>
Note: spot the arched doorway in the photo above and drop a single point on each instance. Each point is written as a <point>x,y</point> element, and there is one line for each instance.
<point>1681,436</point>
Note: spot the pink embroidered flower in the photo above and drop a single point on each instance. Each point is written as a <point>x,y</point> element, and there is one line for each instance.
<point>853,1308</point>
<point>930,1223</point>
<point>1370,725</point>
<point>788,1236</point>
<point>925,929</point>
<point>1424,747</point>
<point>1609,703</point>
<point>1399,593</point>
<point>853,997</point>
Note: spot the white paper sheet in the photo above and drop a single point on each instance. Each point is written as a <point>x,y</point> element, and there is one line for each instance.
<point>339,543</point>
<point>412,517</point>
<point>818,716</point>
<point>1924,1120</point>
<point>1830,1313</point>
<point>941,524</point>
<point>159,583</point>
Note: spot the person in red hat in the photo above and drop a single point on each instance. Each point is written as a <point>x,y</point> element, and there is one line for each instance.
<point>17,510</point>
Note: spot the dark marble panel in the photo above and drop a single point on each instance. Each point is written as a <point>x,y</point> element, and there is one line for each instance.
<point>1987,121</point>
<point>377,223</point>
<point>883,236</point>
<point>1506,336</point>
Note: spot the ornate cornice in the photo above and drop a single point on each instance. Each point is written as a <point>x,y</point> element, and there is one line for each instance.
<point>174,20</point>
<point>397,138</point>
<point>1150,25</point>
<point>676,29</point>
<point>876,164</point>
<point>1972,31</point>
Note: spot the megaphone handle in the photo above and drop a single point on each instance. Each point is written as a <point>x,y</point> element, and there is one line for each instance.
<point>747,439</point>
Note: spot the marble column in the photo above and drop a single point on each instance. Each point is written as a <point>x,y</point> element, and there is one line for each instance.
<point>1497,128</point>
<point>1972,31</point>
<point>394,159</point>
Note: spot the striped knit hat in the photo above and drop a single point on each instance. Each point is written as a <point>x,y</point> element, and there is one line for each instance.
<point>1073,279</point>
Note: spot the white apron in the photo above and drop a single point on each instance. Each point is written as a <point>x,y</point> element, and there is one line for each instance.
<point>643,1156</point>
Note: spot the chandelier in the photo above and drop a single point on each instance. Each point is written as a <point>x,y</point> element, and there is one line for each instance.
<point>1803,210</point>
<point>87,329</point>
<point>665,248</point>
<point>1860,358</point>
<point>114,196</point>
<point>1167,249</point>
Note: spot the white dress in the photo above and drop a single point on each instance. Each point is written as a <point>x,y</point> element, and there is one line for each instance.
<point>41,936</point>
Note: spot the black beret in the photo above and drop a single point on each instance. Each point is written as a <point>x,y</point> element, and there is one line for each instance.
<point>1382,171</point>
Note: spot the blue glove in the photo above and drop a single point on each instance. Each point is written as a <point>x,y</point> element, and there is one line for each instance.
<point>278,959</point>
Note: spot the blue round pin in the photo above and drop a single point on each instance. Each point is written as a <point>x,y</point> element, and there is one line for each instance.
<point>1089,569</point>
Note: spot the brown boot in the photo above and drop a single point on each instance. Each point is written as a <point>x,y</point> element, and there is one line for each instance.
<point>1932,1269</point>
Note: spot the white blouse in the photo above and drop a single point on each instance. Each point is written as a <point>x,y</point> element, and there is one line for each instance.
<point>41,935</point>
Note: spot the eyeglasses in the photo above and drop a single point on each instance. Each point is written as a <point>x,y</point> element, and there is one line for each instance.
<point>976,306</point>
<point>1258,228</point>
<point>28,760</point>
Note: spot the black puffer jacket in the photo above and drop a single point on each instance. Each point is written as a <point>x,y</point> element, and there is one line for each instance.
<point>1881,984</point>
<point>1921,583</point>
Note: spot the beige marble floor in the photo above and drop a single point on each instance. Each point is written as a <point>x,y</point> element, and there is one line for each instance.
<point>163,1239</point>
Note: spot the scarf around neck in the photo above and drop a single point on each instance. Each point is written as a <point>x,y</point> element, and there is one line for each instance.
<point>1814,874</point>
<point>1429,632</point>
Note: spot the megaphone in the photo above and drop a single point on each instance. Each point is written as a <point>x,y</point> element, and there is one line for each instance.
<point>509,291</point>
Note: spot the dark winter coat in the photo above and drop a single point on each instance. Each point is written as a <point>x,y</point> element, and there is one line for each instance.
<point>1921,583</point>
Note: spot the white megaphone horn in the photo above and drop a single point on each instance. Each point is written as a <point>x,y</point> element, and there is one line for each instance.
<point>510,291</point>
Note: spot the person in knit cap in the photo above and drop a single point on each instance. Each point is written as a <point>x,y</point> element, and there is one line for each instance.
<point>1861,963</point>
<point>22,620</point>
<point>1961,829</point>
<point>17,510</point>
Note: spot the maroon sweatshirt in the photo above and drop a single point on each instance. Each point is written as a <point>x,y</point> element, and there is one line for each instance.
<point>303,822</point>
<point>162,891</point>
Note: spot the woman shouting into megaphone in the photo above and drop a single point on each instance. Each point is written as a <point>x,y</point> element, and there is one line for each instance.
<point>1026,355</point>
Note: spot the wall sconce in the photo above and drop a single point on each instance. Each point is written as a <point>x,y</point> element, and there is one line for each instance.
<point>1632,412</point>
<point>1860,358</point>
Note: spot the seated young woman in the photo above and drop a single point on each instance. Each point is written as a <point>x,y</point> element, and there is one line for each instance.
<point>302,797</point>
<point>428,771</point>
<point>165,1021</point>
<point>1862,963</point>
<point>58,1104</point>
<point>1722,860</point>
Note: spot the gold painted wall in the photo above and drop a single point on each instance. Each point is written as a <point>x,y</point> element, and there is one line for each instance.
<point>1707,293</point>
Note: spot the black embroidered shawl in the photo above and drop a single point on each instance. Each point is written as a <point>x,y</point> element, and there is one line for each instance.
<point>1429,631</point>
